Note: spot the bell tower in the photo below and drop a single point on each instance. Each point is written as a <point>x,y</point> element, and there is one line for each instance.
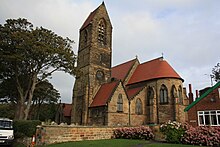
<point>94,62</point>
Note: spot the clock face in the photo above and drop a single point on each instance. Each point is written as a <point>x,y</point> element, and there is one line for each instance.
<point>99,75</point>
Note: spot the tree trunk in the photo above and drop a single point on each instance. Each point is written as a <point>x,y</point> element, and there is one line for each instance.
<point>19,114</point>
<point>30,96</point>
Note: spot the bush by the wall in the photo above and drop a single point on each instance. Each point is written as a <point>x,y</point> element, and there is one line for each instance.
<point>142,132</point>
<point>173,131</point>
<point>207,136</point>
<point>25,128</point>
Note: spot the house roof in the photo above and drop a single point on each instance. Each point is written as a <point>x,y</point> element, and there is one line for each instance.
<point>202,96</point>
<point>121,71</point>
<point>104,93</point>
<point>67,109</point>
<point>154,69</point>
<point>133,91</point>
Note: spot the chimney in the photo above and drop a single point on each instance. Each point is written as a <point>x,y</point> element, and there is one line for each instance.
<point>184,90</point>
<point>197,94</point>
<point>190,94</point>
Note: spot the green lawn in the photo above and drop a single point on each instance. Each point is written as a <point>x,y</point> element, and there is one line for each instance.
<point>116,143</point>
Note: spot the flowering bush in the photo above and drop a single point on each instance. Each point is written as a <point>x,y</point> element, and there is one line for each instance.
<point>173,131</point>
<point>142,132</point>
<point>207,136</point>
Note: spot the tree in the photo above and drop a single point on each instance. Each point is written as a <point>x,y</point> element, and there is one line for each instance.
<point>30,55</point>
<point>216,72</point>
<point>44,93</point>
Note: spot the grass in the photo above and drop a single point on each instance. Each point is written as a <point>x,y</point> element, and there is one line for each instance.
<point>116,143</point>
<point>100,143</point>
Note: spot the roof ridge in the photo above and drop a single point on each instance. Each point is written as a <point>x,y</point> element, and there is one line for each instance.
<point>125,63</point>
<point>202,96</point>
<point>159,58</point>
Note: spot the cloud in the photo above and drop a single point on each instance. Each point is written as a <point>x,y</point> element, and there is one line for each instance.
<point>187,32</point>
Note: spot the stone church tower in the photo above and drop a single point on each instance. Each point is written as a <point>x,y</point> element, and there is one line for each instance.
<point>94,62</point>
<point>131,93</point>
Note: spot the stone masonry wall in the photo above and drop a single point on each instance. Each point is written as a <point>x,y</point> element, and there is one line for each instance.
<point>51,134</point>
<point>57,134</point>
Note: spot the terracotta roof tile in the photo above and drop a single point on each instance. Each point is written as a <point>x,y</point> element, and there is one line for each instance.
<point>104,93</point>
<point>154,69</point>
<point>121,71</point>
<point>133,91</point>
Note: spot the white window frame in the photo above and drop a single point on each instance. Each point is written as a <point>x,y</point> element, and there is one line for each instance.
<point>209,114</point>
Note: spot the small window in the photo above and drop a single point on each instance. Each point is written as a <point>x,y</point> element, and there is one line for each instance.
<point>163,95</point>
<point>120,103</point>
<point>138,108</point>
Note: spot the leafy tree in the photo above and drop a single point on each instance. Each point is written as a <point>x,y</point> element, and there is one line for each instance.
<point>44,93</point>
<point>30,55</point>
<point>8,92</point>
<point>216,72</point>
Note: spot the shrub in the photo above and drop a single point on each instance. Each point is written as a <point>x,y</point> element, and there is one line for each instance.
<point>25,128</point>
<point>173,131</point>
<point>142,132</point>
<point>207,136</point>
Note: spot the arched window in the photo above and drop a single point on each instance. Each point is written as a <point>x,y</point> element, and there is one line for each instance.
<point>101,32</point>
<point>150,96</point>
<point>120,103</point>
<point>180,94</point>
<point>163,95</point>
<point>138,107</point>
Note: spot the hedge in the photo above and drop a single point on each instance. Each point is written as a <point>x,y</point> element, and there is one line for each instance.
<point>25,128</point>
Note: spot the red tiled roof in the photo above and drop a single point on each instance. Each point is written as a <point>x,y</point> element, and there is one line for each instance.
<point>67,109</point>
<point>133,91</point>
<point>121,71</point>
<point>154,69</point>
<point>104,93</point>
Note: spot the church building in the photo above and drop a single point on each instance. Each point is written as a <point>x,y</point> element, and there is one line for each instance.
<point>131,93</point>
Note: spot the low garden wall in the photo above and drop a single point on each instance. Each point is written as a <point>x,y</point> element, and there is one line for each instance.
<point>56,134</point>
<point>49,134</point>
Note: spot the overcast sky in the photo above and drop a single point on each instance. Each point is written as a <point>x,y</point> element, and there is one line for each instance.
<point>187,32</point>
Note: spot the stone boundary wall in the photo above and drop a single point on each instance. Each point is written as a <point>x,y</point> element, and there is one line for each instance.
<point>49,134</point>
<point>57,134</point>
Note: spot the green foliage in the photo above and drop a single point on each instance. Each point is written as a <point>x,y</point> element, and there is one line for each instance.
<point>46,112</point>
<point>26,128</point>
<point>30,55</point>
<point>173,131</point>
<point>7,111</point>
<point>216,72</point>
<point>44,101</point>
